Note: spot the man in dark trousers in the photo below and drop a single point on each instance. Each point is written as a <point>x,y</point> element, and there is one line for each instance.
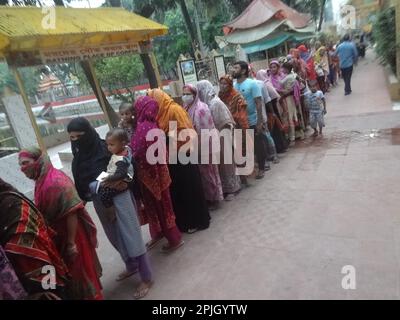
<point>348,56</point>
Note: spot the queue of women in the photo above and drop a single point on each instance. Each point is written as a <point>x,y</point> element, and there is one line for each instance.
<point>55,229</point>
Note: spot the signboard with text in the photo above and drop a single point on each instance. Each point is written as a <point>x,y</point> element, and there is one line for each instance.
<point>66,55</point>
<point>96,52</point>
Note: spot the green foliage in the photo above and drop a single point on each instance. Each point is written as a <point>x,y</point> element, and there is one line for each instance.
<point>30,77</point>
<point>168,48</point>
<point>385,37</point>
<point>6,78</point>
<point>119,72</point>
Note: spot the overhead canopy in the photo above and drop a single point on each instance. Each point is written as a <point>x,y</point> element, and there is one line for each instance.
<point>245,36</point>
<point>274,40</point>
<point>260,11</point>
<point>265,24</point>
<point>22,28</point>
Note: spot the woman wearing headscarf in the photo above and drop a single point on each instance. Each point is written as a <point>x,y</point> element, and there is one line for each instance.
<point>307,57</point>
<point>123,230</point>
<point>202,120</point>
<point>322,63</point>
<point>299,65</point>
<point>223,120</point>
<point>300,68</point>
<point>28,244</point>
<point>186,188</point>
<point>234,101</point>
<point>75,238</point>
<point>286,84</point>
<point>264,75</point>
<point>154,179</point>
<point>277,132</point>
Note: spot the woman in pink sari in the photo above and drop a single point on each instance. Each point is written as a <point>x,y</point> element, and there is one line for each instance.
<point>63,210</point>
<point>202,119</point>
<point>154,180</point>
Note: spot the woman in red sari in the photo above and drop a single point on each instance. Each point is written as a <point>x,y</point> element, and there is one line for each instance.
<point>154,180</point>
<point>27,243</point>
<point>63,210</point>
<point>307,57</point>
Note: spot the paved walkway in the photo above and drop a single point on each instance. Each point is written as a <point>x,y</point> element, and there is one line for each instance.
<point>332,201</point>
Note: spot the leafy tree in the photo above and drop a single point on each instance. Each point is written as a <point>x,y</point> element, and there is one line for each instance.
<point>385,37</point>
<point>119,72</point>
<point>30,76</point>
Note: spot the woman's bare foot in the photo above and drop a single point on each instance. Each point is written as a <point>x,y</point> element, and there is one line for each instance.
<point>315,134</point>
<point>143,289</point>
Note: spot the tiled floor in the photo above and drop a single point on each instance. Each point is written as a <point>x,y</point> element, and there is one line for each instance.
<point>331,202</point>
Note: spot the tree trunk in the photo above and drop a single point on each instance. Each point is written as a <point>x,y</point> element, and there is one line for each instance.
<point>188,23</point>
<point>321,15</point>
<point>148,66</point>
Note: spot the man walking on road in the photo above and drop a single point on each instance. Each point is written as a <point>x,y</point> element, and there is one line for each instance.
<point>348,56</point>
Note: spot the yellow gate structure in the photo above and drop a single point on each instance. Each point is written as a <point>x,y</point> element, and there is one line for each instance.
<point>32,36</point>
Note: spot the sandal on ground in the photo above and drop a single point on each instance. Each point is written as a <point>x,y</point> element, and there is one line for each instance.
<point>152,243</point>
<point>126,274</point>
<point>142,290</point>
<point>168,249</point>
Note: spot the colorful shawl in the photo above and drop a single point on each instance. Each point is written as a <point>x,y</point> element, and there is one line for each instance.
<point>236,104</point>
<point>26,239</point>
<point>168,111</point>
<point>155,177</point>
<point>201,116</point>
<point>262,75</point>
<point>322,59</point>
<point>221,115</point>
<point>299,65</point>
<point>199,112</point>
<point>55,193</point>
<point>306,56</point>
<point>278,77</point>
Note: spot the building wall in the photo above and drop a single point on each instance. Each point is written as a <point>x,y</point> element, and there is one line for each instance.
<point>364,9</point>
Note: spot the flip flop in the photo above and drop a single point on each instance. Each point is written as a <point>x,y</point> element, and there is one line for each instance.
<point>168,249</point>
<point>125,275</point>
<point>152,243</point>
